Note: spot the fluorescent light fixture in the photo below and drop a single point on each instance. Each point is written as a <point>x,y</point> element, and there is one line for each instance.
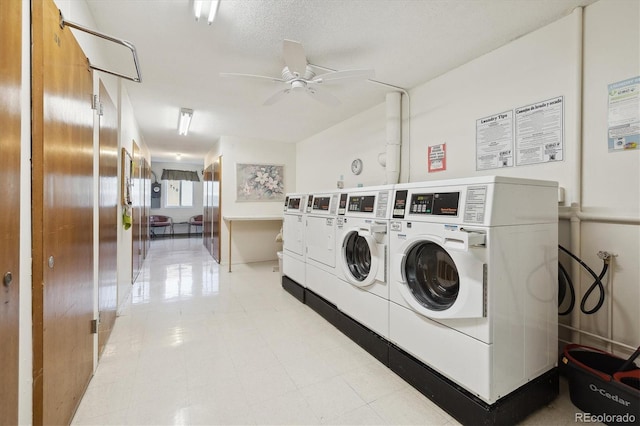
<point>213,10</point>
<point>184,121</point>
<point>197,8</point>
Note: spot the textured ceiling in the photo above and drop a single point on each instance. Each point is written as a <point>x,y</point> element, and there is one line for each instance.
<point>406,42</point>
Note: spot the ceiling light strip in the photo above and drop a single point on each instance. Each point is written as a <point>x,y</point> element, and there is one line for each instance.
<point>197,8</point>
<point>184,121</point>
<point>213,11</point>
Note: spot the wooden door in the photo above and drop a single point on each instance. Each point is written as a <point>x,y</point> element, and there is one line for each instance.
<point>207,220</point>
<point>62,218</point>
<point>108,219</point>
<point>10,104</point>
<point>216,209</point>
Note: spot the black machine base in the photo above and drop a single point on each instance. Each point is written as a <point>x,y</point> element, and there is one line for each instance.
<point>464,406</point>
<point>373,343</point>
<point>326,309</point>
<point>292,287</point>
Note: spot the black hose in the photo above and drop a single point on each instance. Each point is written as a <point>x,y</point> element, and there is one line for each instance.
<point>596,283</point>
<point>564,282</point>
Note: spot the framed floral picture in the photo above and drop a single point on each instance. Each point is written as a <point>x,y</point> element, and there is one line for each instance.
<point>259,182</point>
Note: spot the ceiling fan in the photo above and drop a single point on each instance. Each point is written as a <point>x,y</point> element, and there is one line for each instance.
<point>298,76</point>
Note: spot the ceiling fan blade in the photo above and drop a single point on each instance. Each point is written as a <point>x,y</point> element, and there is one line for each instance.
<point>344,76</point>
<point>323,96</point>
<point>252,76</point>
<point>294,57</point>
<point>276,97</point>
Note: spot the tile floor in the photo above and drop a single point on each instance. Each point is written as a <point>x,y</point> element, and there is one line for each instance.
<point>198,345</point>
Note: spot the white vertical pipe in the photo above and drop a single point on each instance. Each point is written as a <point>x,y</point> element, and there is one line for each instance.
<point>576,205</point>
<point>394,135</point>
<point>575,270</point>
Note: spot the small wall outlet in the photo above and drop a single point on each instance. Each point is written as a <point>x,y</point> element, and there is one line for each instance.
<point>560,195</point>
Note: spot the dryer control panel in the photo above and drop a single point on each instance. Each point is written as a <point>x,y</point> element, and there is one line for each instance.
<point>362,203</point>
<point>322,204</point>
<point>438,203</point>
<point>294,204</point>
<point>370,204</point>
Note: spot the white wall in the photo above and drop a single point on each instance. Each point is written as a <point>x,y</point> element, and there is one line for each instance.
<point>536,67</point>
<point>252,241</point>
<point>611,181</point>
<point>326,157</point>
<point>541,65</point>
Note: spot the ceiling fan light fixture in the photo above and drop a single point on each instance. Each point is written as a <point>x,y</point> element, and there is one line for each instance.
<point>184,121</point>
<point>298,85</point>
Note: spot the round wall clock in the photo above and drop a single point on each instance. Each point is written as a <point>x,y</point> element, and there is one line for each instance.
<point>356,166</point>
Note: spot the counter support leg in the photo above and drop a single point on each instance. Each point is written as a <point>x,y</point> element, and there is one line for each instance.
<point>230,227</point>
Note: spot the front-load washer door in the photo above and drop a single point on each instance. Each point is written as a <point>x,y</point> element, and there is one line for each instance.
<point>440,282</point>
<point>361,258</point>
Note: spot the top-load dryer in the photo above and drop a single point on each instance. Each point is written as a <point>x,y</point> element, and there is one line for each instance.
<point>320,240</point>
<point>473,291</point>
<point>293,231</point>
<point>362,251</point>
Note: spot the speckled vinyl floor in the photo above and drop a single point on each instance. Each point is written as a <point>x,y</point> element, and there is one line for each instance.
<point>198,345</point>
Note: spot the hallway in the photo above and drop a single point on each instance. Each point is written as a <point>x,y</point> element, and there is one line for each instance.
<point>199,345</point>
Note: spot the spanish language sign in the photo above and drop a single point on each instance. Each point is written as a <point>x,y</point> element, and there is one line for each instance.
<point>539,130</point>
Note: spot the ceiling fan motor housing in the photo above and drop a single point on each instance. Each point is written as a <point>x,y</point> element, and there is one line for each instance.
<point>287,75</point>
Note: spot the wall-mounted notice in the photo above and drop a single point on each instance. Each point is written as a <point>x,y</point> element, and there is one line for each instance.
<point>437,158</point>
<point>624,115</point>
<point>494,141</point>
<point>539,130</point>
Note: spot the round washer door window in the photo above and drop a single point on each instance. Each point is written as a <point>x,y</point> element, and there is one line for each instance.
<point>357,256</point>
<point>432,276</point>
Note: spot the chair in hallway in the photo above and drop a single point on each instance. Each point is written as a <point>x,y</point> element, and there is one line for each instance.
<point>158,221</point>
<point>195,221</point>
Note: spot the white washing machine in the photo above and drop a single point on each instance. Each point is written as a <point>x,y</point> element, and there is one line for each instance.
<point>473,291</point>
<point>320,240</point>
<point>293,230</point>
<point>362,248</point>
